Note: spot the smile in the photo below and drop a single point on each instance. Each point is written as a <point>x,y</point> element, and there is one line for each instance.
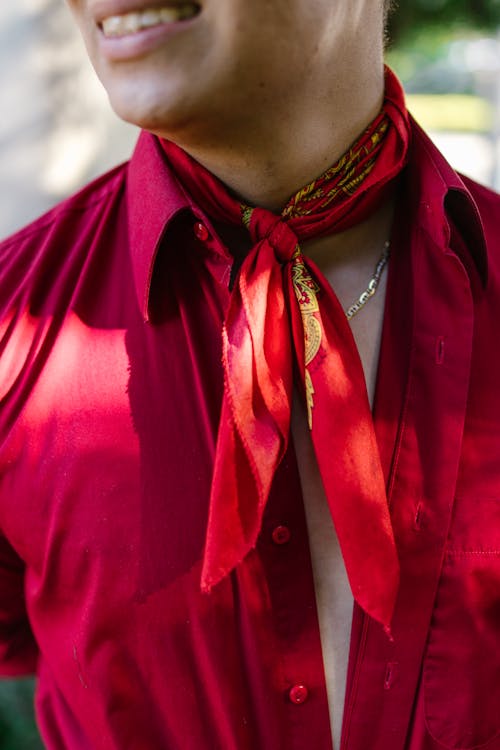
<point>137,21</point>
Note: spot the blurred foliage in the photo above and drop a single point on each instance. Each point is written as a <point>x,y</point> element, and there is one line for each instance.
<point>411,17</point>
<point>429,42</point>
<point>422,47</point>
<point>451,77</point>
<point>447,53</point>
<point>17,726</point>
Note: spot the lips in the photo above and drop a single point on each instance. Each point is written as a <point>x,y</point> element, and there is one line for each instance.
<point>126,23</point>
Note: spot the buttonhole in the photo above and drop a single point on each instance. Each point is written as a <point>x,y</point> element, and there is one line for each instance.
<point>440,350</point>
<point>390,674</point>
<point>418,517</point>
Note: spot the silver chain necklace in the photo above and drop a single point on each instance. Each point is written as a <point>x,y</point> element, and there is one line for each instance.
<point>373,284</point>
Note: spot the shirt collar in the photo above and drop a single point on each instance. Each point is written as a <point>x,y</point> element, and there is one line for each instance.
<point>443,202</point>
<point>155,198</point>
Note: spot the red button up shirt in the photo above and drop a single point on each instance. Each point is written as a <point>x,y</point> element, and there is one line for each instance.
<point>110,385</point>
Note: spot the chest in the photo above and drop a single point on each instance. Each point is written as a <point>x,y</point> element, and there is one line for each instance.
<point>334,599</point>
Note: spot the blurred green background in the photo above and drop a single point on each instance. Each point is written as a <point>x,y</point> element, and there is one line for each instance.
<point>17,726</point>
<point>447,53</point>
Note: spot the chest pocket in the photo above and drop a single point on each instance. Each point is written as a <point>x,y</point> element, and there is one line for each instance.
<point>461,677</point>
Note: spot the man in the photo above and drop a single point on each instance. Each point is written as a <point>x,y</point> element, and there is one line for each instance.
<point>193,488</point>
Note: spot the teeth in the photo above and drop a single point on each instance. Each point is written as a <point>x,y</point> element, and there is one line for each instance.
<point>131,23</point>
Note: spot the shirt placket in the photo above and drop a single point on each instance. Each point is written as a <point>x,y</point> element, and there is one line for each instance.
<point>422,480</point>
<point>284,549</point>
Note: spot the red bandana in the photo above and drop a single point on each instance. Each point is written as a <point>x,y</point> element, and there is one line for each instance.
<point>282,309</point>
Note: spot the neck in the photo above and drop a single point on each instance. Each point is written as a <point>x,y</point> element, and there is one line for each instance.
<point>268,157</point>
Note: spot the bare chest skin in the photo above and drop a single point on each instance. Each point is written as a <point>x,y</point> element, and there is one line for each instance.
<point>333,595</point>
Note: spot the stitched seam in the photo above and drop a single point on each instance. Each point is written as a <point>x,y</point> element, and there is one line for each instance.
<point>465,552</point>
<point>444,744</point>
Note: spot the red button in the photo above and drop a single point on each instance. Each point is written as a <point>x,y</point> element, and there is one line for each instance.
<point>281,535</point>
<point>298,694</point>
<point>201,232</point>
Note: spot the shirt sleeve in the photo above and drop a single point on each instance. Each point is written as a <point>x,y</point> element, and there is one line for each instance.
<point>18,650</point>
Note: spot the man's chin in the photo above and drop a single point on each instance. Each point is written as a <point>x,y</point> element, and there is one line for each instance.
<point>162,116</point>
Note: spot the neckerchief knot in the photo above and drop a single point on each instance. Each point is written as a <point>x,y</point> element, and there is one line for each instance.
<point>264,226</point>
<point>284,318</point>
